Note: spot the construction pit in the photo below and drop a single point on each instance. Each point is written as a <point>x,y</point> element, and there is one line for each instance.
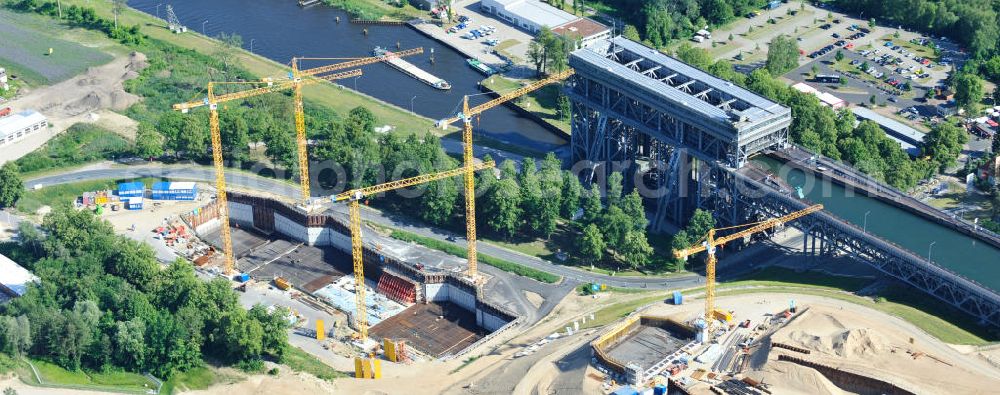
<point>826,346</point>
<point>413,294</point>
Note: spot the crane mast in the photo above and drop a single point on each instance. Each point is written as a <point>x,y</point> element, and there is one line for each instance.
<point>467,156</point>
<point>353,198</point>
<point>711,243</point>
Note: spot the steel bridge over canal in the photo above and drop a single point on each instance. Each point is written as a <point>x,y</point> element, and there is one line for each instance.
<point>684,138</point>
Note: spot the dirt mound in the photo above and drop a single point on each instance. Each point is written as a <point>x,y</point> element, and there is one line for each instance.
<point>796,379</point>
<point>860,342</point>
<point>137,61</point>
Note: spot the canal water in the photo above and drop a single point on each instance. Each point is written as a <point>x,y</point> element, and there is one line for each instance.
<point>960,253</point>
<point>280,30</point>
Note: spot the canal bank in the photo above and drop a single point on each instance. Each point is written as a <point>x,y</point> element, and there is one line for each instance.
<point>845,177</point>
<point>281,30</point>
<point>946,247</point>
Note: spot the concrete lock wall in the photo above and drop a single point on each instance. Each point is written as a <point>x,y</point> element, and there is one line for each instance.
<point>436,292</point>
<point>292,229</point>
<point>461,297</point>
<point>241,214</point>
<point>489,321</point>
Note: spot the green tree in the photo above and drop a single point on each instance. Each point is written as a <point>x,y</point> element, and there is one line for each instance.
<point>148,142</point>
<point>680,241</point>
<point>563,108</point>
<point>631,33</point>
<point>437,203</point>
<point>130,344</point>
<point>843,82</point>
<point>280,147</point>
<point>632,206</point>
<point>838,56</point>
<point>615,188</point>
<point>571,194</point>
<point>614,225</point>
<point>996,144</point>
<point>635,249</point>
<point>592,204</point>
<point>504,205</point>
<point>700,223</point>
<point>871,23</point>
<point>782,55</point>
<point>694,56</point>
<point>815,70</point>
<point>591,244</point>
<point>871,100</point>
<point>717,12</point>
<point>944,143</point>
<point>968,91</point>
<point>11,185</point>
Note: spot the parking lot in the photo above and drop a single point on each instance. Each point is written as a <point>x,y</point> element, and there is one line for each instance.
<point>860,86</point>
<point>507,37</point>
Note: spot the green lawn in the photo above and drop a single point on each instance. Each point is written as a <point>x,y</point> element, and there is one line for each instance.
<point>330,96</point>
<point>195,379</point>
<point>25,50</point>
<point>54,375</point>
<point>81,143</point>
<point>542,102</point>
<point>300,361</point>
<point>66,193</point>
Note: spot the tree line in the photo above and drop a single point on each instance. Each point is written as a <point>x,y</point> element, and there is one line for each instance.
<point>657,22</point>
<point>103,302</point>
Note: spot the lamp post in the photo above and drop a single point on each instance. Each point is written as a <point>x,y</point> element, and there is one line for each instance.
<point>158,10</point>
<point>251,44</point>
<point>865,227</point>
<point>411,102</point>
<point>356,82</point>
<point>203,27</point>
<point>929,250</point>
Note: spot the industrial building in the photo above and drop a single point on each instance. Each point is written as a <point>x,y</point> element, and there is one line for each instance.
<point>532,15</point>
<point>908,138</point>
<point>14,278</point>
<point>825,98</point>
<point>20,125</point>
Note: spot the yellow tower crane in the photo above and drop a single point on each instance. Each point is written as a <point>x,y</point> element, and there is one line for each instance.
<point>470,186</point>
<point>212,101</point>
<point>709,242</point>
<point>354,197</point>
<point>300,119</point>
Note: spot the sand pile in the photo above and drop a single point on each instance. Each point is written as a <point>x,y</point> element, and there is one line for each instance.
<point>849,343</point>
<point>796,379</point>
<point>98,88</point>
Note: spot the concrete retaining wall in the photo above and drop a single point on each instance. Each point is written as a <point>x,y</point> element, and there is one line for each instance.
<point>436,292</point>
<point>291,229</point>
<point>241,214</point>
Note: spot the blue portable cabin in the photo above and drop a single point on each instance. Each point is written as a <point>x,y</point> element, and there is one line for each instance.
<point>774,4</point>
<point>678,298</point>
<point>174,191</point>
<point>133,203</point>
<point>242,277</point>
<point>131,189</point>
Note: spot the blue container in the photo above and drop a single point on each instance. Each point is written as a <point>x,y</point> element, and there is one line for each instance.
<point>242,277</point>
<point>174,191</point>
<point>774,4</point>
<point>660,389</point>
<point>678,298</point>
<point>131,189</point>
<point>595,287</point>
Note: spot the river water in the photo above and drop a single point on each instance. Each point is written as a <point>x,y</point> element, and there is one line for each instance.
<point>280,30</point>
<point>960,253</point>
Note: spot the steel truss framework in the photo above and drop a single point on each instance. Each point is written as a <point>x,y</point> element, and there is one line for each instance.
<point>688,168</point>
<point>826,234</point>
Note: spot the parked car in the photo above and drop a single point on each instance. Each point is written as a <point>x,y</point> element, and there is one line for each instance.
<point>836,35</point>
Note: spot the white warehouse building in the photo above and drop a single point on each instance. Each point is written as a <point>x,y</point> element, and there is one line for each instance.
<point>20,125</point>
<point>532,15</point>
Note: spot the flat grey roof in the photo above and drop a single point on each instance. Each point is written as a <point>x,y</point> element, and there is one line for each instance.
<point>752,106</point>
<point>903,131</point>
<point>535,11</point>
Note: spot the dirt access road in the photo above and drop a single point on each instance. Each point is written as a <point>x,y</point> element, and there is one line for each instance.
<point>84,98</point>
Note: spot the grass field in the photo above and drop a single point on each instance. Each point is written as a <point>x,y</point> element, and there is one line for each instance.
<point>542,102</point>
<point>54,375</point>
<point>65,193</point>
<point>330,96</point>
<point>192,380</point>
<point>300,361</point>
<point>26,42</point>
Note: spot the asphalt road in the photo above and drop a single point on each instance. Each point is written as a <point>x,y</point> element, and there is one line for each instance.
<point>248,181</point>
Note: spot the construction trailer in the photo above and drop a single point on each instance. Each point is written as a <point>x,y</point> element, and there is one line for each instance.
<point>133,203</point>
<point>131,189</point>
<point>167,190</point>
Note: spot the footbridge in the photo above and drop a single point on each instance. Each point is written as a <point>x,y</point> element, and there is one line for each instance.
<point>683,138</point>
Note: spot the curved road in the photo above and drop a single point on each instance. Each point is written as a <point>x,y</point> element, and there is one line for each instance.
<point>272,186</point>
